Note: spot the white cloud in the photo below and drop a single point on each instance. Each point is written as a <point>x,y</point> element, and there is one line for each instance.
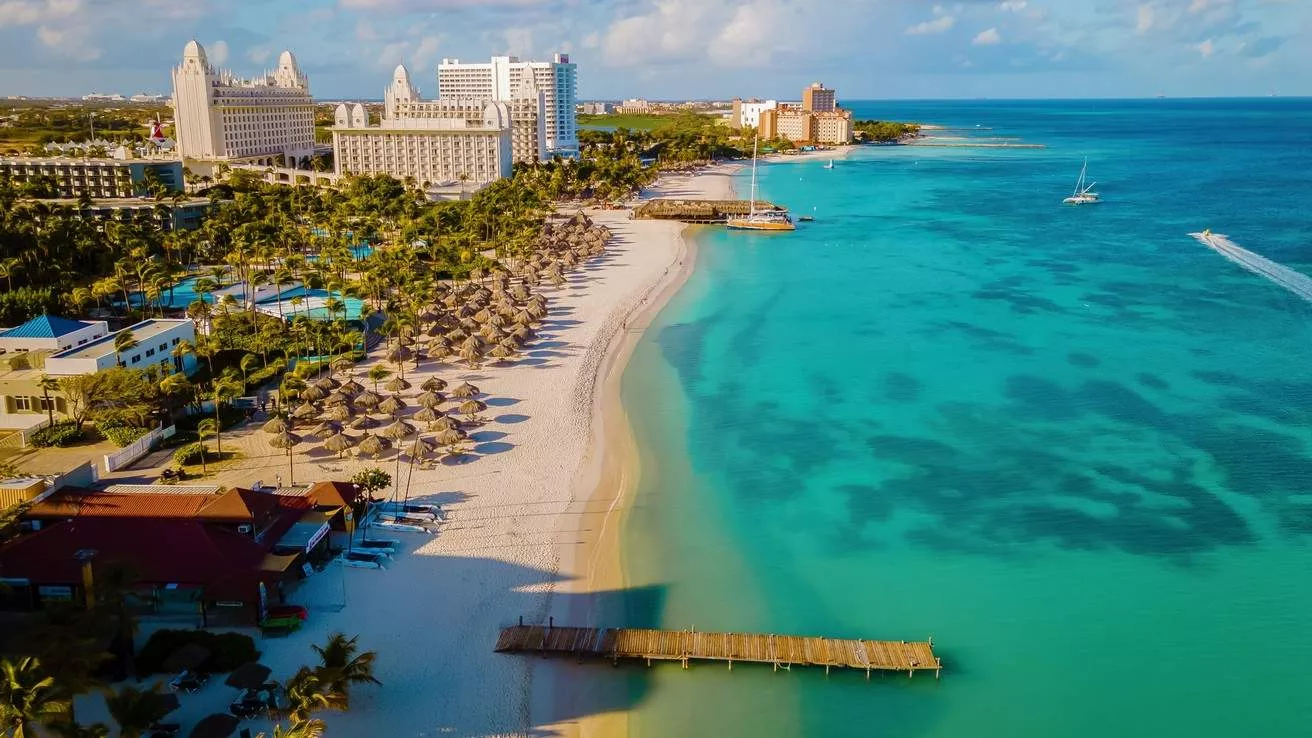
<point>1013,6</point>
<point>938,25</point>
<point>1206,48</point>
<point>259,54</point>
<point>29,12</point>
<point>217,52</point>
<point>71,42</point>
<point>518,41</point>
<point>1144,23</point>
<point>990,37</point>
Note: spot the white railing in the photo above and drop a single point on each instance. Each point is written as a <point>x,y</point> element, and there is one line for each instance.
<point>138,448</point>
<point>25,436</point>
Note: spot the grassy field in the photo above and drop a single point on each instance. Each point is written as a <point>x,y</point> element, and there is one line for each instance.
<point>633,122</point>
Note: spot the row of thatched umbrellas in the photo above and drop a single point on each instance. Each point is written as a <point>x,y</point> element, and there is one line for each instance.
<point>492,318</point>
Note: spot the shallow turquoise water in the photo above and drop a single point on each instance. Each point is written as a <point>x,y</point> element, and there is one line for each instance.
<point>1072,445</point>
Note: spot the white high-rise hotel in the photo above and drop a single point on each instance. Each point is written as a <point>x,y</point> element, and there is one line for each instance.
<point>505,78</point>
<point>220,117</point>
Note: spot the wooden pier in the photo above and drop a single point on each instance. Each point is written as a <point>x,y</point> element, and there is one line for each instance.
<point>685,646</point>
<point>698,211</point>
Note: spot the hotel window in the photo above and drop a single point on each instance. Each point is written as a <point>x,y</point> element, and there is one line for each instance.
<point>22,404</point>
<point>136,359</point>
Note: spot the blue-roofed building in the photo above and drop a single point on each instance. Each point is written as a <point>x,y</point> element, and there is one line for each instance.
<point>51,333</point>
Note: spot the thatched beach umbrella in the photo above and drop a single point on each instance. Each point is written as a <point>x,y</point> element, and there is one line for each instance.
<point>451,437</point>
<point>373,445</point>
<point>342,364</point>
<point>367,400</point>
<point>287,441</point>
<point>364,422</point>
<point>305,410</point>
<point>398,430</point>
<point>326,429</point>
<point>391,405</point>
<point>313,394</point>
<point>400,354</point>
<point>433,384</point>
<point>522,333</point>
<point>276,424</point>
<point>501,353</point>
<point>465,391</point>
<point>339,443</point>
<point>340,413</point>
<point>428,415</point>
<point>444,424</point>
<point>397,385</point>
<point>471,408</point>
<point>353,387</point>
<point>337,399</point>
<point>326,384</point>
<point>430,399</point>
<point>421,448</point>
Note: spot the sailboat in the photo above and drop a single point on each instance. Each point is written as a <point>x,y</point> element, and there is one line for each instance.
<point>768,220</point>
<point>1084,194</point>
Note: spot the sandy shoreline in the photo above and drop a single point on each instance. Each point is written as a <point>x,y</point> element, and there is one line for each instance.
<point>532,518</point>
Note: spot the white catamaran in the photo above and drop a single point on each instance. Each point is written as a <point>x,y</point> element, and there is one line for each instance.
<point>1084,194</point>
<point>765,220</point>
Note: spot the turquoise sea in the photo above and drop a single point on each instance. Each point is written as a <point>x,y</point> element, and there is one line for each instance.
<point>1071,444</point>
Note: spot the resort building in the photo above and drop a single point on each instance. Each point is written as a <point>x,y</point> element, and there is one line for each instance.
<point>506,77</point>
<point>220,117</point>
<point>596,108</point>
<point>819,99</point>
<point>74,178</point>
<point>155,340</point>
<point>747,114</point>
<point>429,151</point>
<point>51,334</point>
<point>633,107</point>
<point>528,113</point>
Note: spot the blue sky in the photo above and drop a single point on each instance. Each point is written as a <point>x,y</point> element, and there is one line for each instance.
<point>685,48</point>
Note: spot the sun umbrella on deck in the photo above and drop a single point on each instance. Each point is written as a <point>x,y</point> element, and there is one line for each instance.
<point>251,675</point>
<point>217,725</point>
<point>186,658</point>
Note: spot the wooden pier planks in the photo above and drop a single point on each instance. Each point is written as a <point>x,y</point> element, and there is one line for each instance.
<point>686,645</point>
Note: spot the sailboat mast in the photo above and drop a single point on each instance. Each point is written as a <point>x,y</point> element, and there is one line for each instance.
<point>752,204</point>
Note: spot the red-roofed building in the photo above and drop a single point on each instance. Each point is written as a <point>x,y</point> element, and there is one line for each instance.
<point>198,553</point>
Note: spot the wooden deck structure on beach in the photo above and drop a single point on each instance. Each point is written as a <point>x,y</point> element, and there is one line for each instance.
<point>698,211</point>
<point>684,646</point>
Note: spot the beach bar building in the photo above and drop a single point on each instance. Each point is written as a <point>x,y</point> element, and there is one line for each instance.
<point>220,556</point>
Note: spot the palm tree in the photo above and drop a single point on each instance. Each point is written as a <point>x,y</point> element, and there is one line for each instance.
<point>124,341</point>
<point>343,666</point>
<point>136,710</point>
<point>308,693</point>
<point>247,366</point>
<point>304,729</point>
<point>27,698</point>
<point>378,373</point>
<point>224,389</point>
<point>205,430</point>
<point>48,384</point>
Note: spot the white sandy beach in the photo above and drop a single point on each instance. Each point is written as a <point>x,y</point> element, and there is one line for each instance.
<point>524,517</point>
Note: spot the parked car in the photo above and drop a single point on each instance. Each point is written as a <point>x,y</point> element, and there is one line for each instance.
<point>362,560</point>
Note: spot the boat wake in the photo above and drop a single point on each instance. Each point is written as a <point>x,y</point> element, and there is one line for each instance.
<point>1296,282</point>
